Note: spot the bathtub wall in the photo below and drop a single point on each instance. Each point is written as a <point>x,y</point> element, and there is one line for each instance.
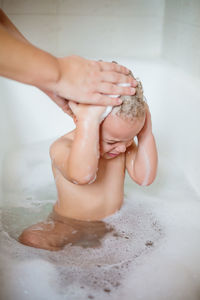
<point>134,28</point>
<point>181,32</point>
<point>139,29</point>
<point>181,47</point>
<point>91,28</point>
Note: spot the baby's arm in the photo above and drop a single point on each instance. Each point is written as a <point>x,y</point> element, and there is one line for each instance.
<point>142,160</point>
<point>78,160</point>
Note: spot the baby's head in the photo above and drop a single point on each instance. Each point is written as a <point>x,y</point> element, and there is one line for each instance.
<point>122,124</point>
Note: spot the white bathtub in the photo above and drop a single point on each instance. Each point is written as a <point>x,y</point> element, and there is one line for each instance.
<point>165,213</point>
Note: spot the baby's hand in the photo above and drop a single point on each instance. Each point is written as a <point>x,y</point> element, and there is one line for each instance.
<point>147,128</point>
<point>87,111</point>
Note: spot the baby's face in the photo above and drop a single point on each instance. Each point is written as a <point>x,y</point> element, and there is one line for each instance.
<point>117,135</point>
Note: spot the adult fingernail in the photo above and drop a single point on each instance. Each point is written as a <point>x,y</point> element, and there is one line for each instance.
<point>132,91</point>
<point>113,96</point>
<point>124,84</point>
<point>135,83</point>
<point>119,101</point>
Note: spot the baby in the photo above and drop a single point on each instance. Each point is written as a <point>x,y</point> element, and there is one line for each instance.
<point>89,165</point>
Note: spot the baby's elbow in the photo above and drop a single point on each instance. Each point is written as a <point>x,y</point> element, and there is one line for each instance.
<point>52,151</point>
<point>82,180</point>
<point>144,181</point>
<point>147,181</point>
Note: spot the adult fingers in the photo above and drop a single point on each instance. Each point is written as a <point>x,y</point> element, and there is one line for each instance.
<point>61,102</point>
<point>118,78</point>
<point>110,66</point>
<point>100,99</point>
<point>73,106</point>
<point>67,110</point>
<point>112,89</point>
<point>64,105</point>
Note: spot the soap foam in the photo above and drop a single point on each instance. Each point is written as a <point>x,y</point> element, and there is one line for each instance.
<point>109,108</point>
<point>83,272</point>
<point>156,240</point>
<point>75,272</point>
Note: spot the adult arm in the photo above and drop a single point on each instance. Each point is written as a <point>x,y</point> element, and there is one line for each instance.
<point>71,77</point>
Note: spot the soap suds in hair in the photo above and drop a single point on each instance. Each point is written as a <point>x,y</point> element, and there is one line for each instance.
<point>132,106</point>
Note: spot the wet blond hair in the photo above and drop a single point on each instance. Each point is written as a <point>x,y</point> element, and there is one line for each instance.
<point>132,106</point>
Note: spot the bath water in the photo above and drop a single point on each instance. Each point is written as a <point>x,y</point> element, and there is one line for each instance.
<point>154,250</point>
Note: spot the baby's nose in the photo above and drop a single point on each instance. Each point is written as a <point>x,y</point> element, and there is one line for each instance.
<point>121,148</point>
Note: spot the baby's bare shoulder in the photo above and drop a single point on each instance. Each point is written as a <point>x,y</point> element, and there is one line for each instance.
<point>63,143</point>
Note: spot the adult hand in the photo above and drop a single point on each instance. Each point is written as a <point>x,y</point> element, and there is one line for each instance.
<point>71,77</point>
<point>88,81</point>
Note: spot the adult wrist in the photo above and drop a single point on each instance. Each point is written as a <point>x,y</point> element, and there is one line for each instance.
<point>49,77</point>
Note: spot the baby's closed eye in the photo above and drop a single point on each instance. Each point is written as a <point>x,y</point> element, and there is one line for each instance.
<point>111,143</point>
<point>129,143</point>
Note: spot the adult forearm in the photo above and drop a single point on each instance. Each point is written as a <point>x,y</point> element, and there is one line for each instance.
<point>62,79</point>
<point>84,154</point>
<point>6,23</point>
<point>21,61</point>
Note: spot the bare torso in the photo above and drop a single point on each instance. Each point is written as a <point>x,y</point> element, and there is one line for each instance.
<point>80,208</point>
<point>96,200</point>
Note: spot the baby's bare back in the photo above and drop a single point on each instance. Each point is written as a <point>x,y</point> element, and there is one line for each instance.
<point>96,200</point>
